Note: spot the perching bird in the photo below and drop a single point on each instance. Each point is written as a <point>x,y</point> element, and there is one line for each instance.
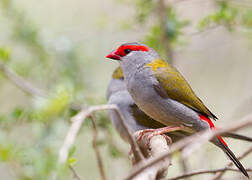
<point>136,119</point>
<point>162,93</point>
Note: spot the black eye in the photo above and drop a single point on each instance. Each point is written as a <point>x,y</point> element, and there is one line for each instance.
<point>127,51</point>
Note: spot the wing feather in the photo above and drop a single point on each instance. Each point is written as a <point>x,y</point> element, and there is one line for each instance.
<point>173,85</point>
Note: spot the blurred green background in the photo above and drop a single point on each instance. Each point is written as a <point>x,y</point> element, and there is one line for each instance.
<point>59,46</point>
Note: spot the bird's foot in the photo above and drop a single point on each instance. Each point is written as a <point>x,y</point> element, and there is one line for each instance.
<point>143,132</point>
<point>160,131</point>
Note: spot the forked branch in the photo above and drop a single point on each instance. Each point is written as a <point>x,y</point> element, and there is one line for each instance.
<point>77,121</point>
<point>194,142</point>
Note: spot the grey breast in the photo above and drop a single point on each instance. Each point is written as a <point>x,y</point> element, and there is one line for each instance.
<point>117,94</point>
<point>166,111</point>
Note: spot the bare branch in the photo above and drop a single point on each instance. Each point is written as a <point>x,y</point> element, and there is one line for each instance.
<point>156,146</point>
<point>195,141</point>
<point>220,174</point>
<point>97,153</point>
<point>20,82</point>
<point>206,172</point>
<point>75,174</point>
<point>77,121</point>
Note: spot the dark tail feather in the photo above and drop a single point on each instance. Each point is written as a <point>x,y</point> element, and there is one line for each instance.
<point>232,157</point>
<point>222,144</point>
<point>237,136</point>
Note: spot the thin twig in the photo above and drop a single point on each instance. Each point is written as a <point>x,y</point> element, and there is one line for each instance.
<point>26,86</point>
<point>195,141</point>
<point>77,121</point>
<point>220,174</point>
<point>134,146</point>
<point>184,164</point>
<point>97,152</point>
<point>206,172</point>
<point>20,82</point>
<point>196,33</point>
<point>75,174</point>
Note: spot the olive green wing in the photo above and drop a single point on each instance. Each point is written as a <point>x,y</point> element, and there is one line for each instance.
<point>173,85</point>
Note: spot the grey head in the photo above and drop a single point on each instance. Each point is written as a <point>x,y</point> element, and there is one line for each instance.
<point>133,56</point>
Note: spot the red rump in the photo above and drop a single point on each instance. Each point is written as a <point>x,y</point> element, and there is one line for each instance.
<point>204,118</point>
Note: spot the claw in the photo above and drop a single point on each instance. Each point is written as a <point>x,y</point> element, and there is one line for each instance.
<point>143,132</point>
<point>160,131</point>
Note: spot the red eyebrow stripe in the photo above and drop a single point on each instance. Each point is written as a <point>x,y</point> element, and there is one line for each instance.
<point>120,50</point>
<point>136,47</point>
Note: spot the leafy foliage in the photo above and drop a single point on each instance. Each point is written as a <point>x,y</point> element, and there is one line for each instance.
<point>165,28</point>
<point>5,53</point>
<point>228,15</point>
<point>42,122</point>
<point>143,10</point>
<point>32,131</point>
<point>225,15</point>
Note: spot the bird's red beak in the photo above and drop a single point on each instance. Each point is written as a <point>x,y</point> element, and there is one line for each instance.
<point>113,55</point>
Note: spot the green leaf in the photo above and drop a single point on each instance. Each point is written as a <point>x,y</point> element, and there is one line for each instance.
<point>5,53</point>
<point>114,152</point>
<point>225,15</point>
<point>54,106</point>
<point>71,161</point>
<point>72,151</point>
<point>5,152</point>
<point>17,112</point>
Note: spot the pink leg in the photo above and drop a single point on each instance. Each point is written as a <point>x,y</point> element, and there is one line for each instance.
<point>143,132</point>
<point>160,131</point>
